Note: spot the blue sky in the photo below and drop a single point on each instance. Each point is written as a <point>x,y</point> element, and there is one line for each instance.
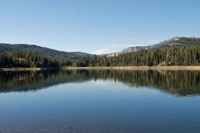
<point>97,26</point>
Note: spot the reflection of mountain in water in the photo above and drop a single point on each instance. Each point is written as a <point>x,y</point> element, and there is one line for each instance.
<point>175,82</point>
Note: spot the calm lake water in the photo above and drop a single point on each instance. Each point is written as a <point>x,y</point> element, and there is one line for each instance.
<point>100,101</point>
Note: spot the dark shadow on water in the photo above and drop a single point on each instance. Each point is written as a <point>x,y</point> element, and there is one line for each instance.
<point>178,83</point>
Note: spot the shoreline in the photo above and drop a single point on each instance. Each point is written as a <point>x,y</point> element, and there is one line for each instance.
<point>145,68</point>
<point>139,68</point>
<point>22,69</point>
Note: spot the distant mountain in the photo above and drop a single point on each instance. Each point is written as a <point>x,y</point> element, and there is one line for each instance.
<point>41,50</point>
<point>129,50</point>
<point>176,41</point>
<point>183,41</point>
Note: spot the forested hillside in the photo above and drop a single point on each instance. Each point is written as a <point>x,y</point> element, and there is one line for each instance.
<point>166,56</point>
<point>169,56</point>
<point>183,41</point>
<point>41,50</point>
<point>29,59</point>
<point>176,41</point>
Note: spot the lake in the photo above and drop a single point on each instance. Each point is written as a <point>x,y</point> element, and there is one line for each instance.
<point>103,101</point>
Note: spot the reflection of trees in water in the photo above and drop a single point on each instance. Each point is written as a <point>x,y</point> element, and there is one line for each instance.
<point>34,80</point>
<point>174,82</point>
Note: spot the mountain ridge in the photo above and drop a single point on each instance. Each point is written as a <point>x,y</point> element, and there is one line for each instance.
<point>178,41</point>
<point>48,52</point>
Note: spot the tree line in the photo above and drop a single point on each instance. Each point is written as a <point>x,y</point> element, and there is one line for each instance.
<point>29,59</point>
<point>169,56</point>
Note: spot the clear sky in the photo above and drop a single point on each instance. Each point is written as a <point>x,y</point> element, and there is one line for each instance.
<point>97,26</point>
